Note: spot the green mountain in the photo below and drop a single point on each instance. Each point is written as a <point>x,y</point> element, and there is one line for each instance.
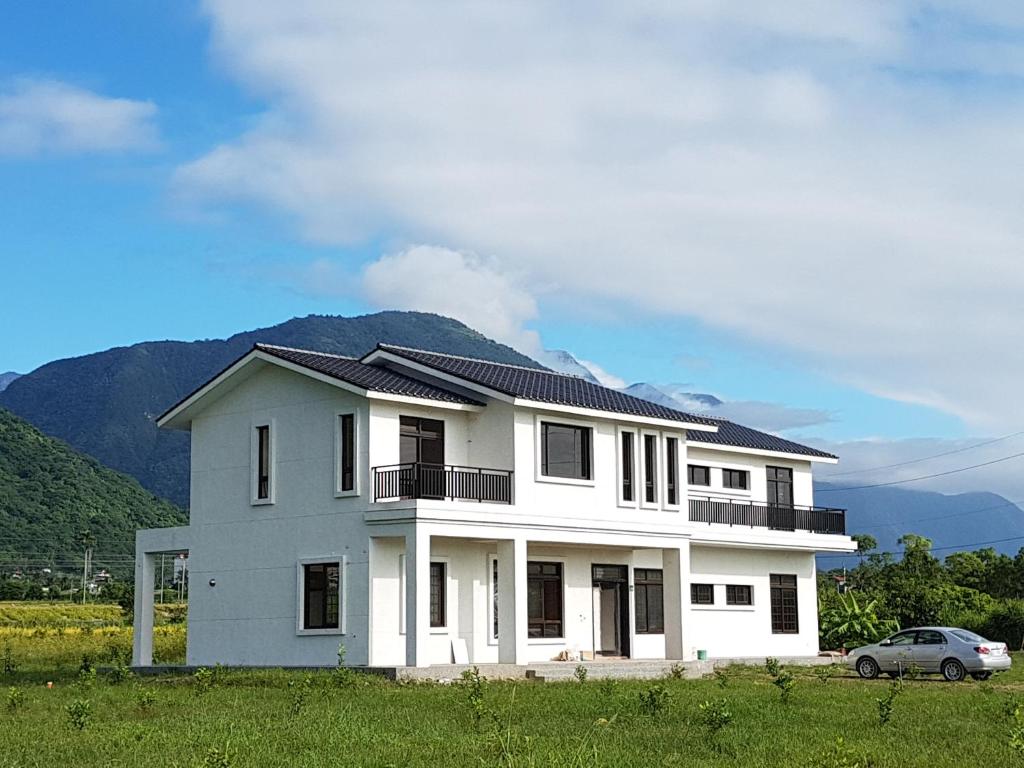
<point>51,496</point>
<point>105,404</point>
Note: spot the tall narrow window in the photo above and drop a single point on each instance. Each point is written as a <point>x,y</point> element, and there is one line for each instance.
<point>671,470</point>
<point>437,595</point>
<point>320,593</point>
<point>628,493</point>
<point>565,451</point>
<point>263,462</point>
<point>650,469</point>
<point>494,598</point>
<point>347,451</point>
<point>785,619</point>
<point>544,599</point>
<point>648,591</point>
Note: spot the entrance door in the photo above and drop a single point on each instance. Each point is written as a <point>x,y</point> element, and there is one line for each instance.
<point>611,610</point>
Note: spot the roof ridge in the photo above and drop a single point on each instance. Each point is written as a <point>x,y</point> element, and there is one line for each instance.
<point>264,345</point>
<point>544,369</point>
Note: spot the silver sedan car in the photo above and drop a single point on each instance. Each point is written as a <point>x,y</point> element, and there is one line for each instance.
<point>953,653</point>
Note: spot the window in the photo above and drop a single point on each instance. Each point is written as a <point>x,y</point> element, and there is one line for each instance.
<point>494,598</point>
<point>738,594</point>
<point>930,637</point>
<point>784,610</point>
<point>698,475</point>
<point>347,452</point>
<point>648,594</point>
<point>735,478</point>
<point>780,486</point>
<point>627,466</point>
<point>263,462</point>
<point>544,599</point>
<point>904,638</point>
<point>650,469</point>
<point>437,595</point>
<point>320,593</point>
<point>702,594</point>
<point>420,441</point>
<point>671,470</point>
<point>565,451</point>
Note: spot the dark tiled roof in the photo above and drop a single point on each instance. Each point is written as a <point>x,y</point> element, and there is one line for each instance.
<point>370,377</point>
<point>543,385</point>
<point>730,433</point>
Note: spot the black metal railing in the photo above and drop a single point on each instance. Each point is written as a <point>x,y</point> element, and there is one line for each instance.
<point>442,482</point>
<point>779,517</point>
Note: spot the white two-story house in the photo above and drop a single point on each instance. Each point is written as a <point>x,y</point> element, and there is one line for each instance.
<point>422,508</point>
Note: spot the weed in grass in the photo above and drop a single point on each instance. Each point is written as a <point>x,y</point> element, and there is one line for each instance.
<point>825,672</point>
<point>300,692</point>
<point>771,666</point>
<point>7,662</point>
<point>887,704</point>
<point>654,700</point>
<point>474,685</point>
<point>785,682</point>
<point>145,699</point>
<point>1013,708</point>
<point>203,679</point>
<point>580,673</point>
<point>15,698</point>
<point>839,755</point>
<point>342,675</point>
<point>86,674</point>
<point>715,716</point>
<point>120,672</point>
<point>216,757</point>
<point>607,687</point>
<point>722,677</point>
<point>79,711</point>
<point>678,672</point>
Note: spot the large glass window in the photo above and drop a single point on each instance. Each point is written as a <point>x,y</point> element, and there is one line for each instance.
<point>784,604</point>
<point>320,595</point>
<point>628,462</point>
<point>263,462</point>
<point>421,441</point>
<point>438,617</point>
<point>698,475</point>
<point>780,486</point>
<point>544,599</point>
<point>648,594</point>
<point>347,451</point>
<point>565,451</point>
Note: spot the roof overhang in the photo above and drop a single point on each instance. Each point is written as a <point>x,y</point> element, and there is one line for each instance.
<point>761,452</point>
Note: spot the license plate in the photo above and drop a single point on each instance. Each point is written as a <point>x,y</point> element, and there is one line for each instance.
<point>997,651</point>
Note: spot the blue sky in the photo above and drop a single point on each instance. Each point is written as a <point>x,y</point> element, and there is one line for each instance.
<point>814,210</point>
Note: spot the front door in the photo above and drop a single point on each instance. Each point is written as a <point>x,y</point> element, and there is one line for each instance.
<point>611,610</point>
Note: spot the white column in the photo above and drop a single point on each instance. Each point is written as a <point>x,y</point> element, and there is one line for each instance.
<point>676,569</point>
<point>512,616</point>
<point>142,634</point>
<point>417,598</point>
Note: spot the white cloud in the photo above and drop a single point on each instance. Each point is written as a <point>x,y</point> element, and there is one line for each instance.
<point>50,116</point>
<point>764,169</point>
<point>606,378</point>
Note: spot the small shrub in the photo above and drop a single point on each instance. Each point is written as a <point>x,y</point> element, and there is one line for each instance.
<point>7,661</point>
<point>300,692</point>
<point>475,695</point>
<point>580,673</point>
<point>342,675</point>
<point>15,698</point>
<point>840,756</point>
<point>79,711</point>
<point>771,666</point>
<point>120,672</point>
<point>203,680</point>
<point>714,717</point>
<point>86,676</point>
<point>145,699</point>
<point>887,704</point>
<point>722,677</point>
<point>607,687</point>
<point>654,700</point>
<point>825,672</point>
<point>216,757</point>
<point>678,672</point>
<point>785,682</point>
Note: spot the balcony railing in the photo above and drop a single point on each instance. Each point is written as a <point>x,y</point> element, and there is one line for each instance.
<point>442,482</point>
<point>763,515</point>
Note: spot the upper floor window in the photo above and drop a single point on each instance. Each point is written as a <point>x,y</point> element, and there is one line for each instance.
<point>421,441</point>
<point>262,469</point>
<point>671,470</point>
<point>321,595</point>
<point>565,451</point>
<point>780,486</point>
<point>346,452</point>
<point>651,469</point>
<point>736,478</point>
<point>698,475</point>
<point>628,462</point>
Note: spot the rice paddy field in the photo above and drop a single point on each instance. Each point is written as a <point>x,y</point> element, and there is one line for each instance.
<point>57,711</point>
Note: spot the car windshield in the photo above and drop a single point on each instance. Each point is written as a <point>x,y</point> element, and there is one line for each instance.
<point>969,637</point>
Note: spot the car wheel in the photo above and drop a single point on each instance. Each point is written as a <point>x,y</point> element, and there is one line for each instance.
<point>953,670</point>
<point>981,675</point>
<point>867,668</point>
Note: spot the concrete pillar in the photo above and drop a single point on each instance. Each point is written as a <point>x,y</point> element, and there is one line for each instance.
<point>417,598</point>
<point>512,615</point>
<point>676,565</point>
<point>142,635</point>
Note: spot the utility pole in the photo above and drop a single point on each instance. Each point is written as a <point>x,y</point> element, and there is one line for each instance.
<point>88,540</point>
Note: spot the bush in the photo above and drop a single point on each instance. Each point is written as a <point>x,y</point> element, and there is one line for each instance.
<point>654,700</point>
<point>79,711</point>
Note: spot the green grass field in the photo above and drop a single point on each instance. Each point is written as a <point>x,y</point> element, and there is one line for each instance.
<point>276,718</point>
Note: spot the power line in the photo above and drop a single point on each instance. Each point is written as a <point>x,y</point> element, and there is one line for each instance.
<point>935,549</point>
<point>922,477</point>
<point>923,458</point>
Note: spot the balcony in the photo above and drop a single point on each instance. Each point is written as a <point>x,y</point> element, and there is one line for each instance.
<point>763,515</point>
<point>442,483</point>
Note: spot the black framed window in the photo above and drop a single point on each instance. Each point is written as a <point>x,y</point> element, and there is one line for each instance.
<point>671,470</point>
<point>650,469</point>
<point>544,599</point>
<point>698,475</point>
<point>347,449</point>
<point>780,486</point>
<point>702,594</point>
<point>738,594</point>
<point>263,462</point>
<point>736,478</point>
<point>649,598</point>
<point>438,607</point>
<point>494,598</point>
<point>628,462</point>
<point>565,451</point>
<point>785,620</point>
<point>320,595</point>
<point>421,440</point>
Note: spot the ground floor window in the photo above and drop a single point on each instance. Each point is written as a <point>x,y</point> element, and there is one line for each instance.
<point>784,606</point>
<point>648,594</point>
<point>544,599</point>
<point>320,594</point>
<point>738,594</point>
<point>437,595</point>
<point>702,594</point>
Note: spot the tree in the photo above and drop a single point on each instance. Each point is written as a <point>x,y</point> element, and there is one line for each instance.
<point>849,623</point>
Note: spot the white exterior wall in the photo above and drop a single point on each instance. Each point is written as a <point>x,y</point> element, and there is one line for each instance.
<point>803,486</point>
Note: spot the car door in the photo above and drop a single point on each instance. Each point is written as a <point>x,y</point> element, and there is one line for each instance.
<point>930,649</point>
<point>897,653</point>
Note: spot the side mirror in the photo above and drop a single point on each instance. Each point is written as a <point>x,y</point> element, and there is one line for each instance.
<point>887,641</point>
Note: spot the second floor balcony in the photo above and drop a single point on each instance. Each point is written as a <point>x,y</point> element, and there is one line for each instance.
<point>442,482</point>
<point>706,509</point>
